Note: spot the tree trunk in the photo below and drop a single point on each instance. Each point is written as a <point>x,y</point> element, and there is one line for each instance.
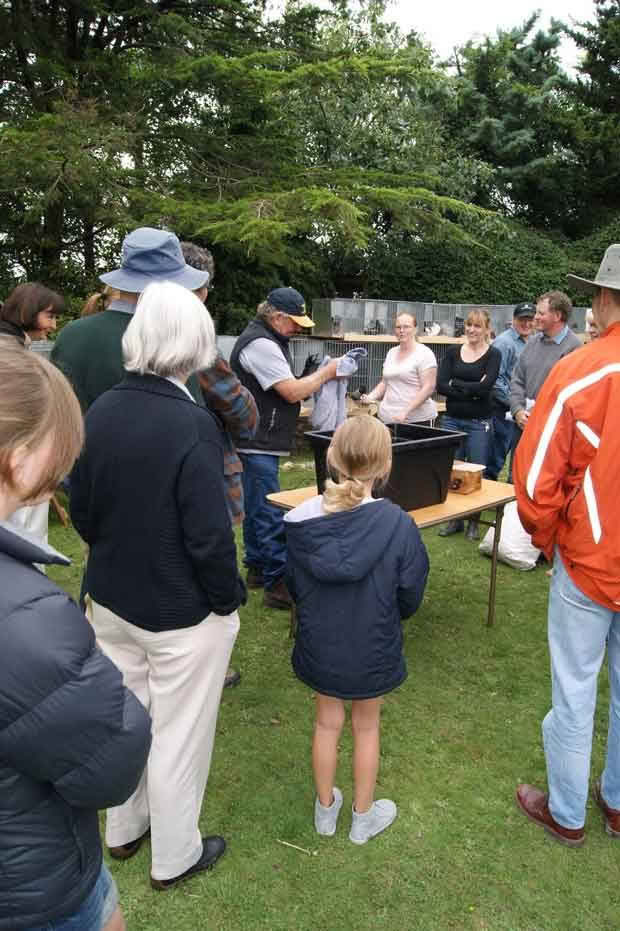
<point>88,246</point>
<point>51,242</point>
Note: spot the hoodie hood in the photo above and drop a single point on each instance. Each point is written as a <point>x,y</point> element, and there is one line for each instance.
<point>342,547</point>
<point>27,548</point>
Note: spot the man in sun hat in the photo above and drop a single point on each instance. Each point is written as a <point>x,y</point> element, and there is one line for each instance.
<point>88,350</point>
<point>262,362</point>
<point>565,474</point>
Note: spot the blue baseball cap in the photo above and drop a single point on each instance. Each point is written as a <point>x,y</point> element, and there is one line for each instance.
<point>290,302</point>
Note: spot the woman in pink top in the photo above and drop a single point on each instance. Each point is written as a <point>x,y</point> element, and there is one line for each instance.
<point>409,377</point>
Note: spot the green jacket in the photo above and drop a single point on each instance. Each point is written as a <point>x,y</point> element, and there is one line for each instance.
<point>89,352</point>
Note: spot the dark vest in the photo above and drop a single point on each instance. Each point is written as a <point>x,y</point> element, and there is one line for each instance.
<point>278,417</point>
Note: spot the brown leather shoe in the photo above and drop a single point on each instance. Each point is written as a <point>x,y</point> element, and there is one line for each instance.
<point>533,804</point>
<point>254,578</point>
<point>127,851</point>
<point>212,849</point>
<point>278,596</point>
<point>611,815</point>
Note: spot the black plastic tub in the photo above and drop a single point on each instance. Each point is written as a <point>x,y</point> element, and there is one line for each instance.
<point>422,460</point>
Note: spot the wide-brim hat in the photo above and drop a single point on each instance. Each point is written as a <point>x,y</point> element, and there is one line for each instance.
<point>290,302</point>
<point>608,275</point>
<point>153,255</point>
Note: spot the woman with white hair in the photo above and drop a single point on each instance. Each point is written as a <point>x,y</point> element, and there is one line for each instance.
<point>148,497</point>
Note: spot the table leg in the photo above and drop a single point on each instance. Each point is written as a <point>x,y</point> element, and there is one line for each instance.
<point>499,514</point>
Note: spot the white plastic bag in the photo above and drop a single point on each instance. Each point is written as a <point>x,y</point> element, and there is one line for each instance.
<point>515,544</point>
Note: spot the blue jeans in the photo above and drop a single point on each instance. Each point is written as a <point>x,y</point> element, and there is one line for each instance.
<point>578,629</point>
<point>94,912</point>
<point>475,446</point>
<point>263,526</point>
<point>501,444</point>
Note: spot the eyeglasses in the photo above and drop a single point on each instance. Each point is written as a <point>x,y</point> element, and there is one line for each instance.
<point>407,327</point>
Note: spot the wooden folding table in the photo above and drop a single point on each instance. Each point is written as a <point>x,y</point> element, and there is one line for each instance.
<point>493,496</point>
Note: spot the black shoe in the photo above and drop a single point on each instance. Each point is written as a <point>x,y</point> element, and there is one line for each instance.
<point>254,578</point>
<point>212,849</point>
<point>233,677</point>
<point>127,851</point>
<point>278,596</point>
<point>453,526</point>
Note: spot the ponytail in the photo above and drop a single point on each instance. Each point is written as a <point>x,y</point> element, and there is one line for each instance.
<point>360,453</point>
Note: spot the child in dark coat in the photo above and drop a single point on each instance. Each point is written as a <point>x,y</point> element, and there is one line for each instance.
<point>356,568</point>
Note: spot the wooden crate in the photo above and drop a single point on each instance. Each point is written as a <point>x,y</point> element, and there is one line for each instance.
<point>465,477</point>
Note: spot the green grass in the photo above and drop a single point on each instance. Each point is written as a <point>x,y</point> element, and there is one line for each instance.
<point>457,737</point>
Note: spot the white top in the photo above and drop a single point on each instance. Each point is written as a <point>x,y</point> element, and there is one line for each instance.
<point>403,380</point>
<point>264,359</point>
<point>180,384</point>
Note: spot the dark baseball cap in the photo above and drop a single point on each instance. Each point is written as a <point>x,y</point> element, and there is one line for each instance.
<point>525,309</point>
<point>290,302</point>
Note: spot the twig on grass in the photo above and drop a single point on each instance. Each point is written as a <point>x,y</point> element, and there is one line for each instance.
<point>311,853</point>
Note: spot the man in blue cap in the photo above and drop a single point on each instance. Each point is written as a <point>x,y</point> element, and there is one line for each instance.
<point>88,350</point>
<point>511,344</point>
<point>262,362</point>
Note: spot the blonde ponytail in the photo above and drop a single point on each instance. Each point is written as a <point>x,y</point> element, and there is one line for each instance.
<point>360,453</point>
<point>343,495</point>
<point>99,301</point>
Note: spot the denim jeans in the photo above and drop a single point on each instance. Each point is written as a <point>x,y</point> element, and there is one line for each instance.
<point>263,526</point>
<point>94,912</point>
<point>578,629</point>
<point>475,446</point>
<point>501,444</point>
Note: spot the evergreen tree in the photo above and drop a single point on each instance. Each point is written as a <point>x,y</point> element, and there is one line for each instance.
<point>596,96</point>
<point>510,110</point>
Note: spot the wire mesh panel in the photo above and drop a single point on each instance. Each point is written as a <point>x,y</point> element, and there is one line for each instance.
<point>369,369</point>
<point>340,316</point>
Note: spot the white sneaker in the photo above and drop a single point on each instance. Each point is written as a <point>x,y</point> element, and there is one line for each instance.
<point>379,816</point>
<point>326,818</point>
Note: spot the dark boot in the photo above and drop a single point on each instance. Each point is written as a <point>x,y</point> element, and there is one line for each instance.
<point>254,578</point>
<point>278,596</point>
<point>453,526</point>
<point>472,529</point>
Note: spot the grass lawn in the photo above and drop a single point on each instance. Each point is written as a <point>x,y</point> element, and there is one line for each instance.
<point>457,737</point>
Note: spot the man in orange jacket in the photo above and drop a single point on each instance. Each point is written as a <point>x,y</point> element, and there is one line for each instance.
<point>565,474</point>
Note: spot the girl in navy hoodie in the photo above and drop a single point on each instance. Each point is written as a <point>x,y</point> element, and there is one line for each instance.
<point>356,568</point>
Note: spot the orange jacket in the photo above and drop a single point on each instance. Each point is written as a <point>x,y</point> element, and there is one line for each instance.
<point>567,466</point>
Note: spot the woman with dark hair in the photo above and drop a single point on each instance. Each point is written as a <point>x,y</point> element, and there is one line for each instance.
<point>30,312</point>
<point>72,738</point>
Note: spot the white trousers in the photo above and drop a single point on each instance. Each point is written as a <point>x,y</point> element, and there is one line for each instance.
<point>178,675</point>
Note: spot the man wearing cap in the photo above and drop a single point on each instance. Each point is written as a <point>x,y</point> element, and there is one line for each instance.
<point>565,478</point>
<point>553,341</point>
<point>88,350</point>
<point>511,344</point>
<point>262,362</point>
